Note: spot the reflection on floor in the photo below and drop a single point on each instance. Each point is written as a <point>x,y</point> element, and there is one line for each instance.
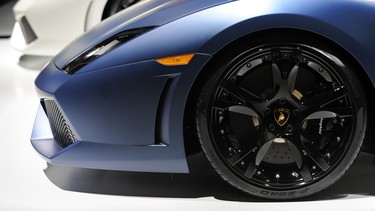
<point>358,180</point>
<point>25,186</point>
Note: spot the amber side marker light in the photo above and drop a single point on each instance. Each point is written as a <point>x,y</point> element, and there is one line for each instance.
<point>176,60</point>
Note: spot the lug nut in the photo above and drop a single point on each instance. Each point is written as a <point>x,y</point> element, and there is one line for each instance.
<point>271,127</point>
<point>289,128</point>
<point>328,155</point>
<point>282,101</point>
<point>296,112</point>
<point>267,110</point>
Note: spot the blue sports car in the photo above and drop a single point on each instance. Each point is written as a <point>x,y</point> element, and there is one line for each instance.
<point>278,94</point>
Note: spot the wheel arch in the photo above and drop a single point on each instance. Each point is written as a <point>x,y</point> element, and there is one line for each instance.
<point>191,141</point>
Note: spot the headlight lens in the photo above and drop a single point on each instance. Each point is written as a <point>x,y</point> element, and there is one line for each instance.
<point>102,48</point>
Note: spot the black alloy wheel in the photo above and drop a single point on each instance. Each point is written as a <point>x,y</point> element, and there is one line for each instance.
<point>282,117</point>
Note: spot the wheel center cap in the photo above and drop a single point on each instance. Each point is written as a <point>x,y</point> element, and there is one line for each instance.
<point>281,116</point>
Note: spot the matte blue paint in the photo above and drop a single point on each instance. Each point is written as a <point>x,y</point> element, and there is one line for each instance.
<point>144,14</point>
<point>112,103</point>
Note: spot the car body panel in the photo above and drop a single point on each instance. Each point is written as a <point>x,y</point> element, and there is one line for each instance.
<point>127,110</point>
<point>207,33</point>
<point>143,14</point>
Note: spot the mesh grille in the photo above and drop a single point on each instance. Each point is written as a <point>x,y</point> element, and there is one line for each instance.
<point>60,129</point>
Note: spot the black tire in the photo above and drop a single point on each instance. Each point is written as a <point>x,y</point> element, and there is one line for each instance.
<point>115,6</point>
<point>282,117</point>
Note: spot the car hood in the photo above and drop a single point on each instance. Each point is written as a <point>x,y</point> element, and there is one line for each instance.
<point>144,14</point>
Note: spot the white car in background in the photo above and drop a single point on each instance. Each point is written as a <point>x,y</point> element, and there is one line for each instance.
<point>44,27</point>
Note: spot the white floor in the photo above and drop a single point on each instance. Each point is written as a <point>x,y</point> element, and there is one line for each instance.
<point>24,185</point>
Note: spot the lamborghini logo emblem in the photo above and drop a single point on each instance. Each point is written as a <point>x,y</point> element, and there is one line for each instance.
<point>281,116</point>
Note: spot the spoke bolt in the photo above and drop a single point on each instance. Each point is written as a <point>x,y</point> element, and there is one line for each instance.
<point>296,112</point>
<point>239,151</point>
<point>289,128</point>
<point>221,113</point>
<point>294,174</point>
<point>341,101</point>
<point>342,120</point>
<point>328,155</point>
<point>230,149</point>
<point>248,65</point>
<point>321,70</point>
<point>267,110</point>
<point>222,132</point>
<point>338,139</point>
<point>304,152</point>
<point>242,163</point>
<point>277,176</point>
<point>234,78</point>
<point>282,101</point>
<point>224,94</point>
<point>259,173</point>
<point>314,167</point>
<point>271,127</point>
<point>335,121</point>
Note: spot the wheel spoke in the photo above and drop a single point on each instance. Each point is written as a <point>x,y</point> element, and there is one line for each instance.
<point>342,112</point>
<point>243,110</point>
<point>262,152</point>
<point>321,113</point>
<point>250,170</point>
<point>248,109</point>
<point>239,92</point>
<point>311,151</point>
<point>326,98</point>
<point>236,158</point>
<point>305,173</point>
<point>296,154</point>
<point>292,78</point>
<point>276,76</point>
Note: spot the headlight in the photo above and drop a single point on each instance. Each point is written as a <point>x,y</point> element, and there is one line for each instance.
<point>102,48</point>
